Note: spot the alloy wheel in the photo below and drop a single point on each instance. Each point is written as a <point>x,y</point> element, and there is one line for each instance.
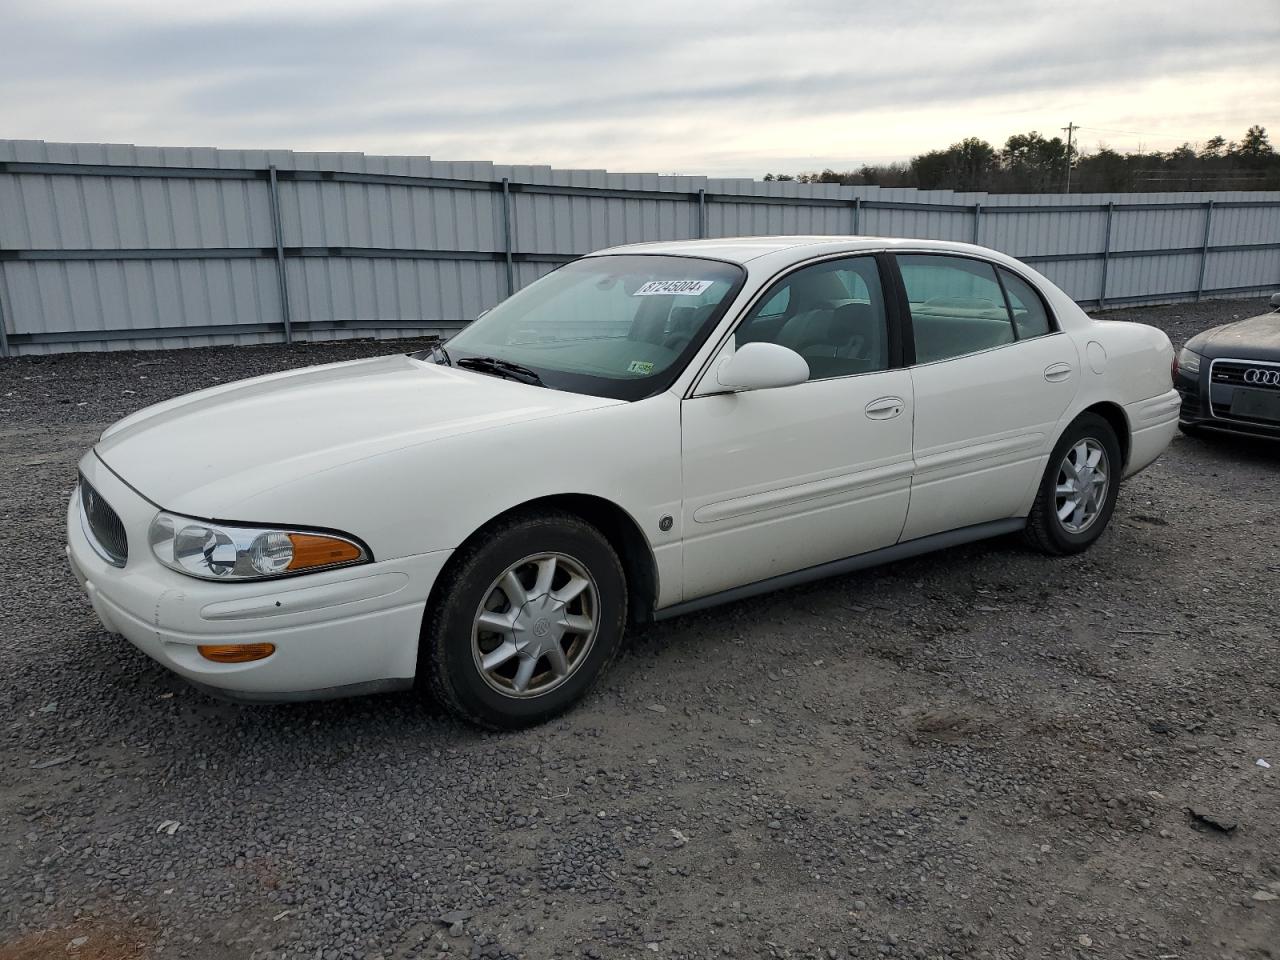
<point>536,625</point>
<point>1081,491</point>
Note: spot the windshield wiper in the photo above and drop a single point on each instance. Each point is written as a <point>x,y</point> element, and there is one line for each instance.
<point>436,354</point>
<point>500,368</point>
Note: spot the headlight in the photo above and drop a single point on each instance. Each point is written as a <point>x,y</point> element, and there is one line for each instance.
<point>1189,363</point>
<point>221,551</point>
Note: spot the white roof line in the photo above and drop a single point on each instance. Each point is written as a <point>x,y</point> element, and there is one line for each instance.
<point>745,249</point>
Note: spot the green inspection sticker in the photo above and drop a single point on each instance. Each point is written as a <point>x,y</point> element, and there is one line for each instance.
<point>640,366</point>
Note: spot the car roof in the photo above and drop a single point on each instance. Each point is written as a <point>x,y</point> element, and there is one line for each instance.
<point>743,250</point>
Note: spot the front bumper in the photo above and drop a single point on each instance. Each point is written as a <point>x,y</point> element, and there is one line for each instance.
<point>1206,405</point>
<point>343,631</point>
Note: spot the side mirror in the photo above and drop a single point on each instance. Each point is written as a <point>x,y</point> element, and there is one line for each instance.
<point>762,366</point>
<point>1275,300</point>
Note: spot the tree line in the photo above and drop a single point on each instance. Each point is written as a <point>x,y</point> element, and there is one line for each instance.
<point>1032,163</point>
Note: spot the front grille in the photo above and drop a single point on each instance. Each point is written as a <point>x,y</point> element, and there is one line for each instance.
<point>103,525</point>
<point>1241,373</point>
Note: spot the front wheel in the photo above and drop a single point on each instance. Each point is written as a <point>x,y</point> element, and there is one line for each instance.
<point>528,617</point>
<point>1078,492</point>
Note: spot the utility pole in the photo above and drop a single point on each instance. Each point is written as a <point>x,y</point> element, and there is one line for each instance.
<point>1070,130</point>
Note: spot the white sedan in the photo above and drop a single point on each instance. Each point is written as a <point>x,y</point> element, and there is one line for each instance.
<point>648,430</point>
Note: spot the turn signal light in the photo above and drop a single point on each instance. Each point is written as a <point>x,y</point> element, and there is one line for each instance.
<point>236,652</point>
<point>311,550</point>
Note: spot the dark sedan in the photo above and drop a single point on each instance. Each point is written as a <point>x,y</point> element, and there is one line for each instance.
<point>1229,377</point>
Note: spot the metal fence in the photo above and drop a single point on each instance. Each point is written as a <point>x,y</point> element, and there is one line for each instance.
<point>121,247</point>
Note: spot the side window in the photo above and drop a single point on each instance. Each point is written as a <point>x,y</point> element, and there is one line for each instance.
<point>831,313</point>
<point>1029,314</point>
<point>957,306</point>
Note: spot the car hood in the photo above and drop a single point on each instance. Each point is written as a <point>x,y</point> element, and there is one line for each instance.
<point>1256,338</point>
<point>204,453</point>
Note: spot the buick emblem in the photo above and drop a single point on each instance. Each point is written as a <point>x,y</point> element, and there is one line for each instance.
<point>1262,377</point>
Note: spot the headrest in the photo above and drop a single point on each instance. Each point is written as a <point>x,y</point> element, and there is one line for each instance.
<point>815,288</point>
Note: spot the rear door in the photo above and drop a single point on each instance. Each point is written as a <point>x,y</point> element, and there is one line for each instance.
<point>992,376</point>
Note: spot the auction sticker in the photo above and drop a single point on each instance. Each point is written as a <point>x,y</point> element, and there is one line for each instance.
<point>680,288</point>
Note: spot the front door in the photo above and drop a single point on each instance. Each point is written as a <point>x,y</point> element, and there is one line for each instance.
<point>783,479</point>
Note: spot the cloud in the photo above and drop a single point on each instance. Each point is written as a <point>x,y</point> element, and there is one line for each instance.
<point>714,87</point>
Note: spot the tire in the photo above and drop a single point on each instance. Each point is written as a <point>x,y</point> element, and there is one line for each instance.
<point>1046,530</point>
<point>475,591</point>
<point>1191,430</point>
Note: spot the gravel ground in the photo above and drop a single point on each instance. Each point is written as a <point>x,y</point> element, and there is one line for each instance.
<point>981,753</point>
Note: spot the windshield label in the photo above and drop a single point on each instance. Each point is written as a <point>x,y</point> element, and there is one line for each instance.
<point>640,366</point>
<point>680,288</point>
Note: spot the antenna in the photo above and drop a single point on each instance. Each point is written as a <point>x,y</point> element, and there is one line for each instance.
<point>1069,130</point>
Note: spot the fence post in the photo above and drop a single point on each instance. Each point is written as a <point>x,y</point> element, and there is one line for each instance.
<point>506,235</point>
<point>857,216</point>
<point>278,226</point>
<point>4,334</point>
<point>977,220</point>
<point>1204,249</point>
<point>1106,255</point>
<point>702,214</point>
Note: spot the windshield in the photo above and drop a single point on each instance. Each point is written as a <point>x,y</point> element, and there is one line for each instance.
<point>614,326</point>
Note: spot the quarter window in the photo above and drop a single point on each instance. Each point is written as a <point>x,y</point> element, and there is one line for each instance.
<point>831,313</point>
<point>957,306</point>
<point>1029,315</point>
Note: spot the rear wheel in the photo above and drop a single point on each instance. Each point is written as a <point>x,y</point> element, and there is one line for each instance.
<point>1078,492</point>
<point>527,618</point>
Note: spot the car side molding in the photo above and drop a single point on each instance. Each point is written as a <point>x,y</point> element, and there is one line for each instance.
<point>875,558</point>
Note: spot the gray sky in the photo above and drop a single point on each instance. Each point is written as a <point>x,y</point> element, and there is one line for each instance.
<point>728,87</point>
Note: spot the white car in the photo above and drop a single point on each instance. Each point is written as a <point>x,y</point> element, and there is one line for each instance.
<point>648,430</point>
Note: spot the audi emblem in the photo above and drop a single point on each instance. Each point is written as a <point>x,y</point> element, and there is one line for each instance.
<point>1262,377</point>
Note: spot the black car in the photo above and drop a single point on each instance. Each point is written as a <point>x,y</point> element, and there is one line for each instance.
<point>1229,377</point>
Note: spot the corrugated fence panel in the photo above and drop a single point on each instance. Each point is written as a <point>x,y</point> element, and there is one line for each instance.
<point>44,212</point>
<point>1133,229</point>
<point>1244,225</point>
<point>731,218</point>
<point>85,297</point>
<point>1132,278</point>
<point>1043,234</point>
<point>1079,279</point>
<point>927,224</point>
<point>573,225</point>
<point>384,294</point>
<point>111,246</point>
<point>1257,270</point>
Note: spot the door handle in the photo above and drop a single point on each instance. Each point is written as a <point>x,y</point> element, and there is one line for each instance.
<point>885,408</point>
<point>1057,372</point>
